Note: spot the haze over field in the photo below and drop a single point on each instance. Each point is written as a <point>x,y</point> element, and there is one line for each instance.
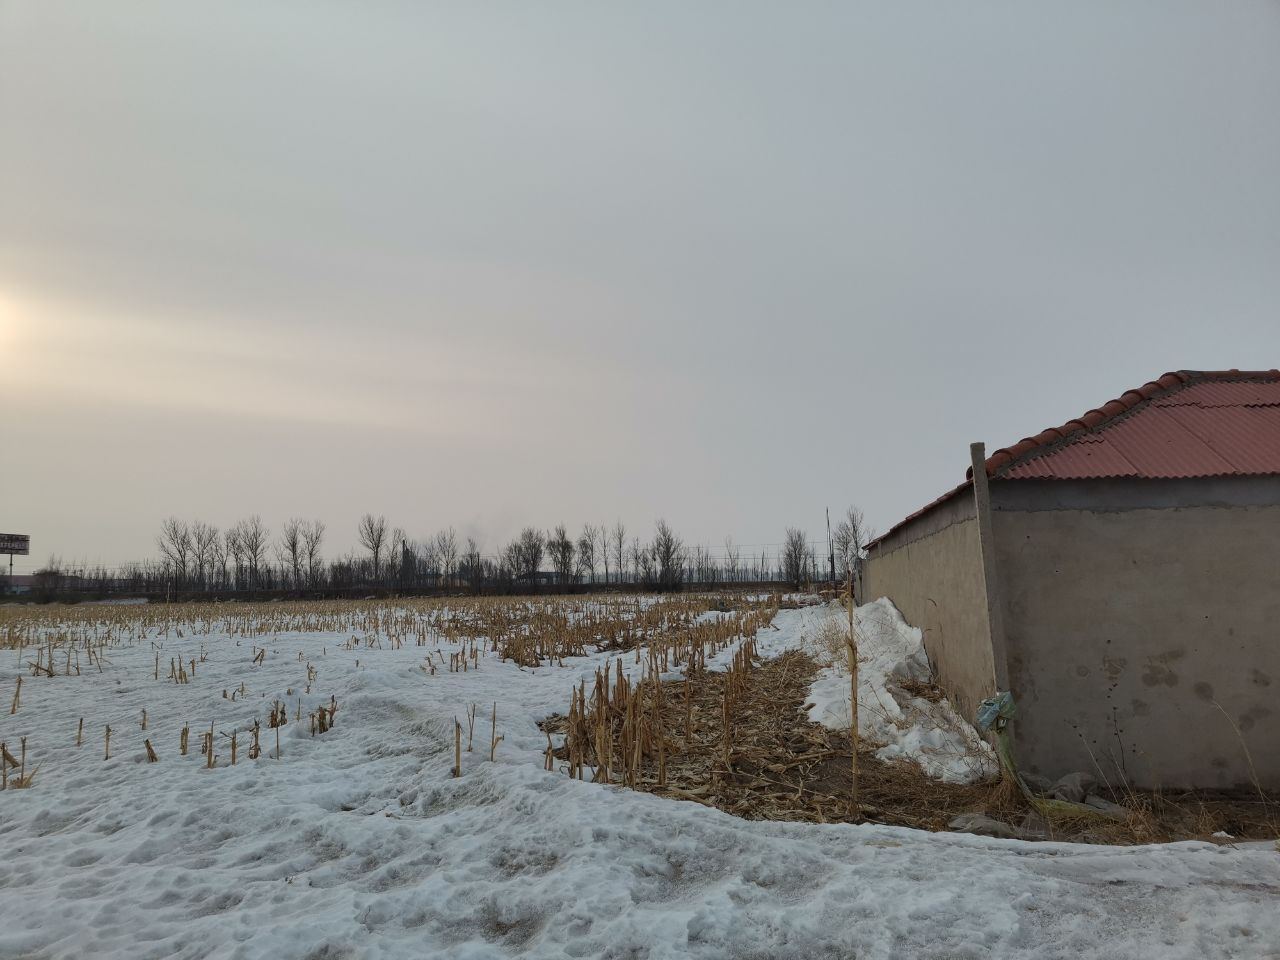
<point>489,265</point>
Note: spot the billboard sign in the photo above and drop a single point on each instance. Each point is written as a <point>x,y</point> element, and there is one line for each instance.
<point>15,543</point>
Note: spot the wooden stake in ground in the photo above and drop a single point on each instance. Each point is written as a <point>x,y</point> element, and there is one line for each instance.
<point>80,732</point>
<point>107,749</point>
<point>851,647</point>
<point>151,753</point>
<point>17,697</point>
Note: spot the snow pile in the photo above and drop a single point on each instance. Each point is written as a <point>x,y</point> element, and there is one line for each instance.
<point>907,726</point>
<point>358,843</point>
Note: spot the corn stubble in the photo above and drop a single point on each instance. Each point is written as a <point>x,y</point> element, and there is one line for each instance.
<point>674,631</point>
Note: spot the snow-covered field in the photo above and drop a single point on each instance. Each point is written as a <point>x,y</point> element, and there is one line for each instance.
<point>358,843</point>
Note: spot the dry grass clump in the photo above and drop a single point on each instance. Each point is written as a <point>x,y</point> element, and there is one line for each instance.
<point>830,639</point>
<point>922,689</point>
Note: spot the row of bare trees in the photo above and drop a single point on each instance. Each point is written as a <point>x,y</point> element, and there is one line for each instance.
<point>198,557</point>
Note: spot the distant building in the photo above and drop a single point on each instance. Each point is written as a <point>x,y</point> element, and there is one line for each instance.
<point>1131,597</point>
<point>44,582</point>
<point>17,584</point>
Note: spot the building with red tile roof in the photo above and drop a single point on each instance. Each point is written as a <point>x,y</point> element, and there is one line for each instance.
<point>1119,573</point>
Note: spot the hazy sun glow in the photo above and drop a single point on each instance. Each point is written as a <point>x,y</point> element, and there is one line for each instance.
<point>9,325</point>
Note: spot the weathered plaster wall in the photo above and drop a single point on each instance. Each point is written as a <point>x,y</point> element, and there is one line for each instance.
<point>1133,610</point>
<point>932,571</point>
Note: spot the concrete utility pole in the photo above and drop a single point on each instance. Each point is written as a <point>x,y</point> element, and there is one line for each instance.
<point>990,576</point>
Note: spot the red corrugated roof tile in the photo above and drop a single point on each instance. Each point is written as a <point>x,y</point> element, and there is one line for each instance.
<point>1185,424</point>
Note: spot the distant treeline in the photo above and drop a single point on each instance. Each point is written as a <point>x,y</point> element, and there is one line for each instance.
<point>198,559</point>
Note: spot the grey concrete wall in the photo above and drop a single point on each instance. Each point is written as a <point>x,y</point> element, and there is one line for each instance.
<point>932,571</point>
<point>1132,610</point>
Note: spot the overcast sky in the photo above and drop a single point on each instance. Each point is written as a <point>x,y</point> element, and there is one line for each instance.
<point>491,264</point>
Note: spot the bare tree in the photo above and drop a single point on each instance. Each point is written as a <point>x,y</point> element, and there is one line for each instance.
<point>290,549</point>
<point>703,569</point>
<point>429,557</point>
<point>795,556</point>
<point>560,549</point>
<point>850,539</point>
<point>532,544</point>
<point>312,537</point>
<point>602,534</point>
<point>254,538</point>
<point>512,561</point>
<point>218,559</point>
<point>373,537</point>
<point>639,557</point>
<point>399,554</point>
<point>472,564</point>
<point>447,550</point>
<point>668,556</point>
<point>587,551</point>
<point>619,538</point>
<point>645,569</point>
<point>732,553</point>
<point>204,549</point>
<point>175,546</point>
<point>235,550</point>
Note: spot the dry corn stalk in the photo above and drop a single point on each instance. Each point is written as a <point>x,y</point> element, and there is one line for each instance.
<point>494,739</point>
<point>852,650</point>
<point>457,748</point>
